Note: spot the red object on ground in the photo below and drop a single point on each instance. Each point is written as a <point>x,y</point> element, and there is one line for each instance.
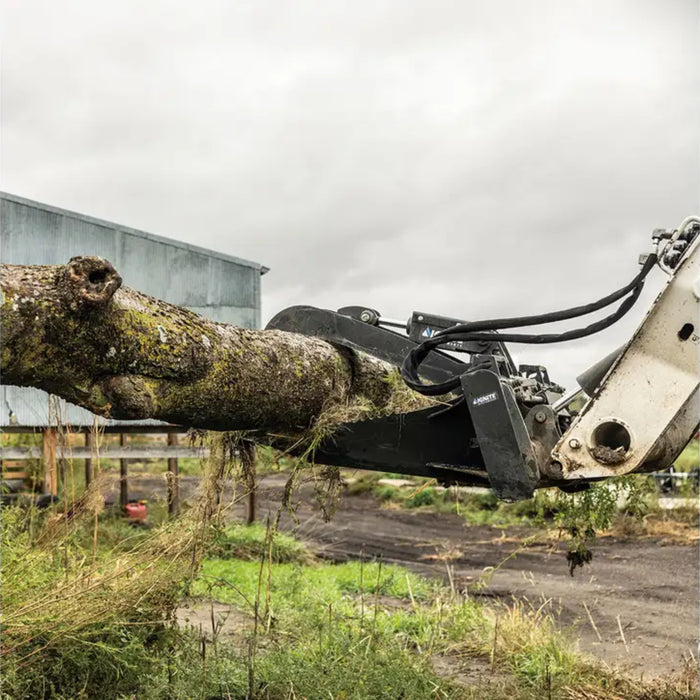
<point>136,512</point>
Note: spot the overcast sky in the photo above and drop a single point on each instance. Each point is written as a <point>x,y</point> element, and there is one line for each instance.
<point>466,158</point>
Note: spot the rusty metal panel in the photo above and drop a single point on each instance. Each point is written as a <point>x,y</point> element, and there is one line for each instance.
<point>219,286</point>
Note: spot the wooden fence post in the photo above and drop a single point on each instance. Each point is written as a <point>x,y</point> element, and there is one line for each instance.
<point>89,441</point>
<point>123,484</point>
<point>50,466</point>
<point>248,457</point>
<point>251,509</point>
<point>173,480</point>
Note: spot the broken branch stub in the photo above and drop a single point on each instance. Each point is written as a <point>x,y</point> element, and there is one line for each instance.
<point>88,282</point>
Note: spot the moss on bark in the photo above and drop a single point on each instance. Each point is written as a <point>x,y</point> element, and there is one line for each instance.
<point>74,331</point>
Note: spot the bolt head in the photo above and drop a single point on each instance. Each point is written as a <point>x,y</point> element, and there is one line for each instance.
<point>366,316</point>
<point>574,444</point>
<point>540,416</point>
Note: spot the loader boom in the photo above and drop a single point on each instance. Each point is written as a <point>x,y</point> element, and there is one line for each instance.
<point>511,427</point>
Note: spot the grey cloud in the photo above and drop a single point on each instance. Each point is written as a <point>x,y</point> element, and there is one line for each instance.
<point>472,159</point>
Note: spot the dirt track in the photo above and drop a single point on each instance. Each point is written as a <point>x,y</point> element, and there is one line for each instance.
<point>652,587</point>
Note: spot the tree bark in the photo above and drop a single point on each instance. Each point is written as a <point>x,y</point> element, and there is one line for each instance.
<point>74,331</point>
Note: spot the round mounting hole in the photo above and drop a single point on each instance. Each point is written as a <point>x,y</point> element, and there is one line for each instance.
<point>685,332</point>
<point>611,442</point>
<point>98,276</point>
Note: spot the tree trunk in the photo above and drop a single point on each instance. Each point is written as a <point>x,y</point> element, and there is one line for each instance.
<point>74,331</point>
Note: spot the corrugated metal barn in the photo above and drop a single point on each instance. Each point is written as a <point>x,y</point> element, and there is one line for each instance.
<point>220,287</point>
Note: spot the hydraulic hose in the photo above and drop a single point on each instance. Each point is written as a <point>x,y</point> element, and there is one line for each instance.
<point>491,329</point>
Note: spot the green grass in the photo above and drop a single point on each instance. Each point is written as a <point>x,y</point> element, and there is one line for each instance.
<point>249,542</point>
<point>367,630</point>
<point>547,509</point>
<point>475,508</point>
<point>54,646</point>
<point>346,668</point>
<point>296,586</point>
<point>305,629</point>
<point>366,621</point>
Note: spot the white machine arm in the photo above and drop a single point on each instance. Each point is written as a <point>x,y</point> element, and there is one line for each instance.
<point>647,407</point>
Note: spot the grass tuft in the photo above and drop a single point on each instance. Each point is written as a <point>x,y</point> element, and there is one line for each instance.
<point>249,542</point>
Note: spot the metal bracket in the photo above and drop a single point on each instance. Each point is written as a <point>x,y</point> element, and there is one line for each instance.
<point>503,438</point>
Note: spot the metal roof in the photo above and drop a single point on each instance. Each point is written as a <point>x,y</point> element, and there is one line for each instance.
<point>134,232</point>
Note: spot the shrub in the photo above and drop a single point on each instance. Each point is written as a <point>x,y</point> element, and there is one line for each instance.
<point>424,497</point>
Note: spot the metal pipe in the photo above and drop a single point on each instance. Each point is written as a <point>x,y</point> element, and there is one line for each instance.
<point>391,322</point>
<point>565,400</point>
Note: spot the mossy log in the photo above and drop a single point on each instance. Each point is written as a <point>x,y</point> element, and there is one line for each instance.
<point>74,331</point>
